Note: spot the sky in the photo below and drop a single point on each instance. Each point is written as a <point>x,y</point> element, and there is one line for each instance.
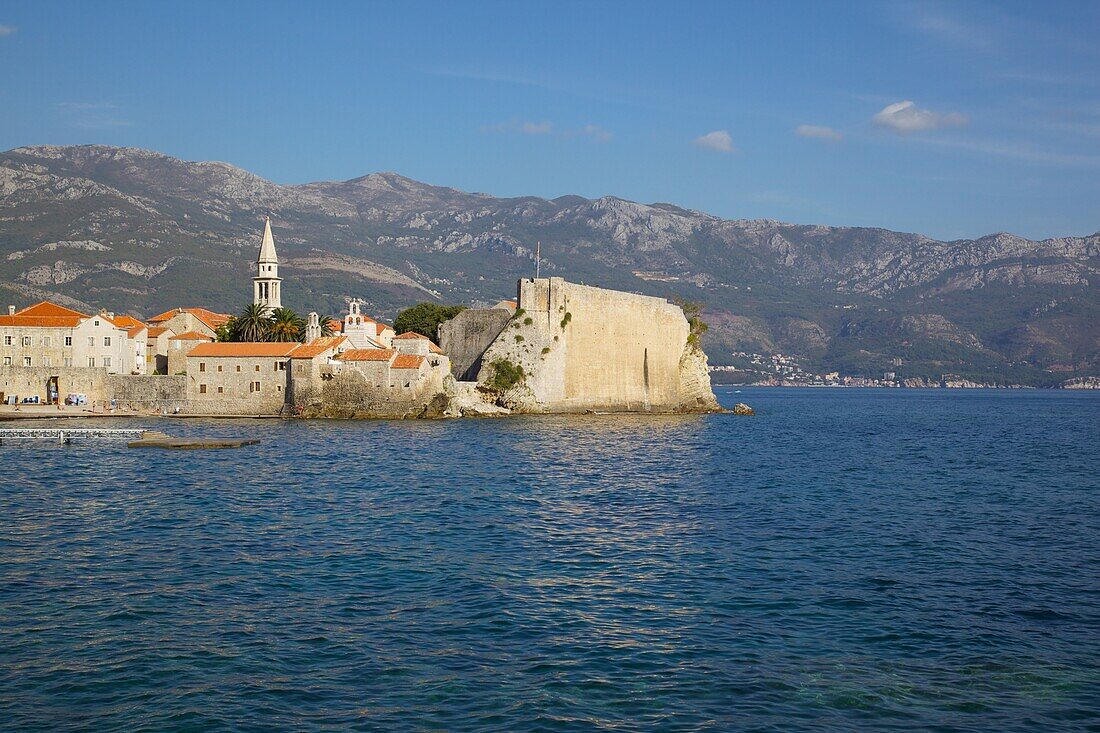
<point>950,119</point>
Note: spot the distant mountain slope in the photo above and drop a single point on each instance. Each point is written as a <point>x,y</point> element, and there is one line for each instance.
<point>137,230</point>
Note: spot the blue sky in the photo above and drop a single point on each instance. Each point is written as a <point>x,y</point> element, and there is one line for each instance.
<point>951,119</point>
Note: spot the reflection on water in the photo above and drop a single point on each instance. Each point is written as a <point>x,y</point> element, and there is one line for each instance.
<point>844,560</point>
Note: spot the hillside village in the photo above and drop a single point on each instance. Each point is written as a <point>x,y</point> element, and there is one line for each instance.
<point>187,360</point>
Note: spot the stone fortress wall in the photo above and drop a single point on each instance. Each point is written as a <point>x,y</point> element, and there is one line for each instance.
<point>586,348</point>
<point>465,338</point>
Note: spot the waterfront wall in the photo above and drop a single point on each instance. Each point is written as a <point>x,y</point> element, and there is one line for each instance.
<point>465,338</point>
<point>349,393</point>
<point>585,348</point>
<point>141,392</point>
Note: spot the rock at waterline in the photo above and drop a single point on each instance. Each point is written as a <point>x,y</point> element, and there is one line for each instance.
<point>742,409</point>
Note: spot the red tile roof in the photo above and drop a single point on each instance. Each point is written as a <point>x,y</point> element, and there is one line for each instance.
<point>367,355</point>
<point>44,315</point>
<point>317,347</point>
<point>155,331</point>
<point>190,336</point>
<point>243,349</point>
<point>133,332</point>
<point>408,361</point>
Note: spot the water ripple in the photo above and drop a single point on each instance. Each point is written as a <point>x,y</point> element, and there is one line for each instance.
<point>844,560</point>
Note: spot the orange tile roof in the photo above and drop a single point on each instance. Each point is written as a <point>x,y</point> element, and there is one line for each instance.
<point>408,361</point>
<point>190,336</point>
<point>44,315</point>
<point>125,322</point>
<point>208,317</point>
<point>435,349</point>
<point>243,349</point>
<point>155,331</point>
<point>48,309</point>
<point>382,328</point>
<point>367,355</point>
<point>133,332</point>
<point>317,347</point>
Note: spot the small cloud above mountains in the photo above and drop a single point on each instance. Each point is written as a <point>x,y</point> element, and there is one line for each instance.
<point>817,131</point>
<point>6,30</point>
<point>527,127</point>
<point>718,141</point>
<point>906,117</point>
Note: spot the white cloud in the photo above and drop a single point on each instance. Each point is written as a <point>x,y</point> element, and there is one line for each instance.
<point>6,30</point>
<point>92,115</point>
<point>719,140</point>
<point>593,132</point>
<point>536,128</point>
<point>818,131</point>
<point>905,117</point>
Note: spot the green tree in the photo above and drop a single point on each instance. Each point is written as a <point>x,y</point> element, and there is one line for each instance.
<point>285,325</point>
<point>252,324</point>
<point>326,325</point>
<point>227,330</point>
<point>424,318</point>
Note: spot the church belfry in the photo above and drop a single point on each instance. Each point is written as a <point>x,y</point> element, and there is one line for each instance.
<point>267,284</point>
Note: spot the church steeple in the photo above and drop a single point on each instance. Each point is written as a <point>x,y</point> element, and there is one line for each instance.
<point>267,285</point>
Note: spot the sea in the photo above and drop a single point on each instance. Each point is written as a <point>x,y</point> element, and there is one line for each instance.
<point>845,560</point>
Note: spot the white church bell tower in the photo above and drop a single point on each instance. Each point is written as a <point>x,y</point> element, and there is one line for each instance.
<point>267,285</point>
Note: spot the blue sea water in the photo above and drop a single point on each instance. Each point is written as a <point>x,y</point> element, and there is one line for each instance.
<point>845,560</point>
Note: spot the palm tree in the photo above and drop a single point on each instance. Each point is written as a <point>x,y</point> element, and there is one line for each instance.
<point>285,325</point>
<point>252,324</point>
<point>326,325</point>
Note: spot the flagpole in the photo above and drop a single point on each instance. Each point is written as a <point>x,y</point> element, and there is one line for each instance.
<point>538,258</point>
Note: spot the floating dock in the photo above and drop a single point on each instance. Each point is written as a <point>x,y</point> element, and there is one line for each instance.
<point>134,437</point>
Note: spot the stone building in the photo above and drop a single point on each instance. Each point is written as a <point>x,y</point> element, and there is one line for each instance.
<point>237,378</point>
<point>52,336</point>
<point>180,346</point>
<point>137,336</point>
<point>184,320</point>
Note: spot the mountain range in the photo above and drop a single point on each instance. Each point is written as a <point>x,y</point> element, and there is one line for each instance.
<point>138,231</point>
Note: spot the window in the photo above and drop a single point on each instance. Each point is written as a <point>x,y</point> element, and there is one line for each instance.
<point>46,341</point>
<point>67,361</point>
<point>219,367</point>
<point>91,361</point>
<point>238,367</point>
<point>253,386</point>
<point>257,367</point>
<point>106,340</point>
<point>26,340</point>
<point>202,389</point>
<point>7,361</point>
<point>26,361</point>
<point>46,361</point>
<point>91,341</point>
<point>68,340</point>
<point>97,322</point>
<point>7,340</point>
<point>221,389</point>
<point>107,362</point>
<point>202,366</point>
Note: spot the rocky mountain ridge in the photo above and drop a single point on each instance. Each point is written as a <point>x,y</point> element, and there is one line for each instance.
<point>158,231</point>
